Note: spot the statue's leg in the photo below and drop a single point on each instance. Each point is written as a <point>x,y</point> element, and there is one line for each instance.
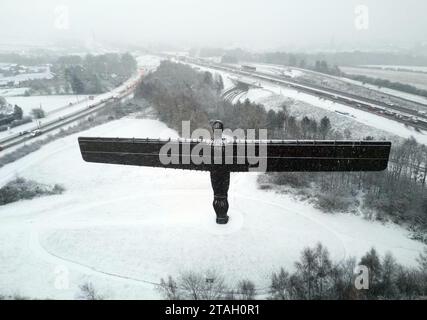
<point>220,180</point>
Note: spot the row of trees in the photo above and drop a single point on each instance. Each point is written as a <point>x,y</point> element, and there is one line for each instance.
<point>303,61</point>
<point>95,74</point>
<point>300,59</point>
<point>326,62</point>
<point>179,93</point>
<point>388,84</point>
<point>316,277</point>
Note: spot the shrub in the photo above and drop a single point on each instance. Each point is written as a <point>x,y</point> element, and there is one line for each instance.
<point>333,202</point>
<point>22,189</point>
<point>294,180</point>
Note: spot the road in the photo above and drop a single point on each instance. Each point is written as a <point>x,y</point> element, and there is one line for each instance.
<point>120,93</point>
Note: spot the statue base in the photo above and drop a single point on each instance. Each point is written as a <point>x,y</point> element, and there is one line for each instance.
<point>222,220</point>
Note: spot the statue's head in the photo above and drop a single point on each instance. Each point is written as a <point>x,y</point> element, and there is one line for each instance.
<point>217,128</point>
<point>217,125</point>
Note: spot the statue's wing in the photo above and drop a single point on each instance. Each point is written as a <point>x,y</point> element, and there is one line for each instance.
<point>174,154</point>
<point>240,155</point>
<point>321,156</point>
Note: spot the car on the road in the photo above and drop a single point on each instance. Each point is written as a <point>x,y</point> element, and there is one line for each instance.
<point>35,133</point>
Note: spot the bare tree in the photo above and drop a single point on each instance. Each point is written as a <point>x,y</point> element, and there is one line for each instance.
<point>324,268</point>
<point>307,269</point>
<point>245,290</point>
<point>280,283</point>
<point>169,289</point>
<point>198,287</point>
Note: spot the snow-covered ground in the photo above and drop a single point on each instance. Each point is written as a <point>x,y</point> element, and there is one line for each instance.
<point>418,80</point>
<point>400,94</point>
<point>123,228</point>
<point>12,92</point>
<point>26,76</point>
<point>273,69</point>
<point>256,95</point>
<point>148,62</point>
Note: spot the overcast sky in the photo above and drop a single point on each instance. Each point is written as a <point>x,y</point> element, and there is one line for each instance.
<point>252,24</point>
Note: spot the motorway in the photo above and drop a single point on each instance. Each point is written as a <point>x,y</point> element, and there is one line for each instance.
<point>119,94</point>
<point>397,113</point>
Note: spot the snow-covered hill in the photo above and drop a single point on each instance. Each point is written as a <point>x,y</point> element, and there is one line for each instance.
<point>122,228</point>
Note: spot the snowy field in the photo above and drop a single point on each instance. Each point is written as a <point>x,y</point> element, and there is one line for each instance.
<point>148,62</point>
<point>418,80</point>
<point>123,228</point>
<point>47,103</point>
<point>393,92</point>
<point>26,76</point>
<point>276,70</point>
<point>11,92</point>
